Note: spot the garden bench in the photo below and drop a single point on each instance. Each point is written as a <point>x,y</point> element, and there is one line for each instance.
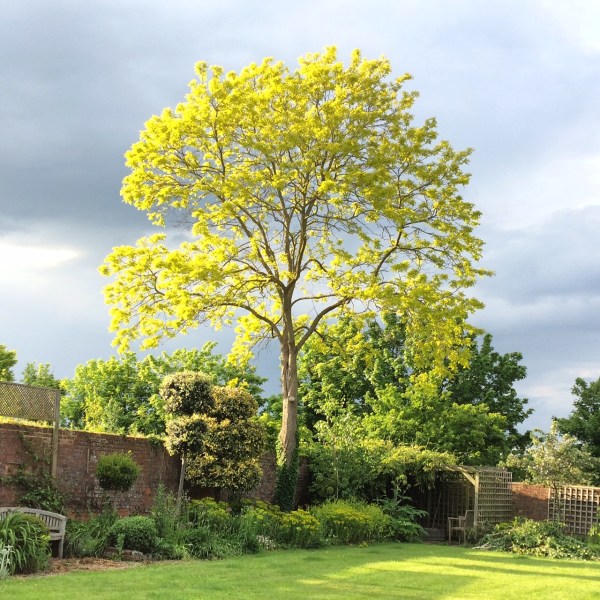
<point>461,524</point>
<point>56,523</point>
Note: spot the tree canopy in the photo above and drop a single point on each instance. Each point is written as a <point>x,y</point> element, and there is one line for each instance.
<point>308,194</point>
<point>40,374</point>
<point>8,359</point>
<point>121,394</point>
<point>554,460</point>
<point>474,413</point>
<point>584,420</point>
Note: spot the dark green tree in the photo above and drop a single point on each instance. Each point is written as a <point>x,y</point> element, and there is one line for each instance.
<point>367,369</point>
<point>489,380</point>
<point>584,420</point>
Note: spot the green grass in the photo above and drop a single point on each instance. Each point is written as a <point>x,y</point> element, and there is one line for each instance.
<point>404,571</point>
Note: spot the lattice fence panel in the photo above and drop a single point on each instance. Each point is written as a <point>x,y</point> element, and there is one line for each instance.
<point>495,495</point>
<point>27,402</point>
<point>577,507</point>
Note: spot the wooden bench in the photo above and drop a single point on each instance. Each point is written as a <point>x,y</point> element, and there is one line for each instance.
<point>56,523</point>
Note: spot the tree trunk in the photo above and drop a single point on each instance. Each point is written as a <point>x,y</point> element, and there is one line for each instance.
<point>180,488</point>
<point>289,385</point>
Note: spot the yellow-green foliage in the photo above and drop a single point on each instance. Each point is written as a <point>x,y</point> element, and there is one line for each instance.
<point>308,188</point>
<point>348,522</point>
<point>209,513</point>
<point>301,529</point>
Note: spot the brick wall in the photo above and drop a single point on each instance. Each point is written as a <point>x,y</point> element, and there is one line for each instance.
<point>530,501</point>
<point>78,453</point>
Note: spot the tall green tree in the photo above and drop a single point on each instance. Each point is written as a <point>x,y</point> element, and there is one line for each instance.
<point>8,359</point>
<point>368,370</point>
<point>489,379</point>
<point>310,194</point>
<point>584,420</point>
<point>121,394</point>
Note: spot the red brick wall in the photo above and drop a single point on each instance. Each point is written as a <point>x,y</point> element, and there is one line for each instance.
<point>78,453</point>
<point>530,501</point>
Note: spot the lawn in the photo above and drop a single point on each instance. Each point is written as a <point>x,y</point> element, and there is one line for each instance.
<point>404,571</point>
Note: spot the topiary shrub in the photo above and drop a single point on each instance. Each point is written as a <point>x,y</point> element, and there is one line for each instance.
<point>29,540</point>
<point>137,533</point>
<point>117,472</point>
<point>187,393</point>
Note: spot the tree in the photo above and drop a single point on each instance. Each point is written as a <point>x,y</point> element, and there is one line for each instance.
<point>215,431</point>
<point>554,460</point>
<point>41,375</point>
<point>473,413</point>
<point>233,444</point>
<point>584,420</point>
<point>121,394</point>
<point>187,398</point>
<point>8,359</point>
<point>489,380</point>
<point>309,195</point>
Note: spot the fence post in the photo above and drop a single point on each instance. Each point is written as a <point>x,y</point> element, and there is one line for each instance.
<point>55,433</point>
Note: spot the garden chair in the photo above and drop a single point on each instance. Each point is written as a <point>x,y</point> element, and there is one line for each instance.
<point>461,524</point>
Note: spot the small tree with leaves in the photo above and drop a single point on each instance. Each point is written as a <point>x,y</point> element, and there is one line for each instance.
<point>233,444</point>
<point>554,460</point>
<point>8,359</point>
<point>188,399</point>
<point>215,431</point>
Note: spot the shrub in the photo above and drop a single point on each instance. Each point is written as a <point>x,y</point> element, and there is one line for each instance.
<point>537,538</point>
<point>404,526</point>
<point>117,472</point>
<point>138,533</point>
<point>593,536</point>
<point>29,539</point>
<point>300,529</point>
<point>351,522</point>
<point>89,538</point>
<point>45,495</point>
<point>216,516</point>
<point>261,521</point>
<point>202,543</point>
<point>187,393</point>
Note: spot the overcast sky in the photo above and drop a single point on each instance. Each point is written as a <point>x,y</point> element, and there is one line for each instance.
<point>518,81</point>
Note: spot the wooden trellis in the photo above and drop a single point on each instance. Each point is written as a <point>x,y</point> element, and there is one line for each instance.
<point>492,493</point>
<point>33,403</point>
<point>576,506</point>
<point>485,490</point>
